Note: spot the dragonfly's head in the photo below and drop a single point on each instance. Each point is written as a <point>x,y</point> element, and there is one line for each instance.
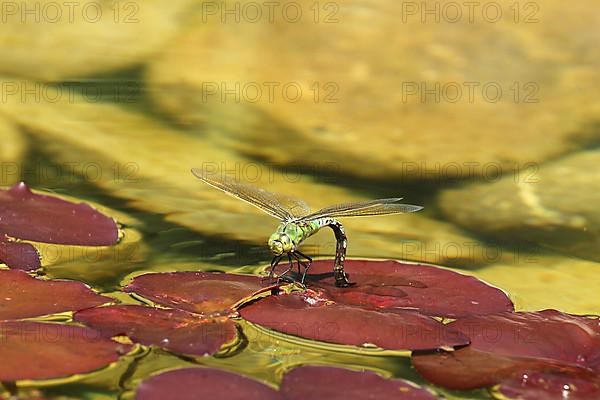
<point>280,243</point>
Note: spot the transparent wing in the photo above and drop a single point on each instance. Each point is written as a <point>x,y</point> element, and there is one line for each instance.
<point>364,208</point>
<point>278,206</point>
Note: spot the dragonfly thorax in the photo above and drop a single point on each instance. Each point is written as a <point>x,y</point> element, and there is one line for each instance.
<point>280,243</point>
<point>290,234</point>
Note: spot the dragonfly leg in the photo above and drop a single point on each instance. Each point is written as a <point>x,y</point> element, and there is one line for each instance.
<point>306,267</point>
<point>300,264</point>
<point>341,277</point>
<point>291,265</point>
<point>296,254</point>
<point>274,263</point>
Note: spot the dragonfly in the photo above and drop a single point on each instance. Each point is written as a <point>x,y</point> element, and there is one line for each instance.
<point>297,222</point>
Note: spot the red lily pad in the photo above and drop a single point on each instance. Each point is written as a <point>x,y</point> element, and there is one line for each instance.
<point>427,289</point>
<point>539,385</point>
<point>505,346</point>
<point>204,383</point>
<point>36,350</point>
<point>173,330</point>
<point>48,219</point>
<point>309,316</point>
<point>18,255</point>
<point>22,296</point>
<point>313,382</point>
<point>197,292</point>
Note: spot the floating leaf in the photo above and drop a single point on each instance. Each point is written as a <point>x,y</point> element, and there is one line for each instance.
<point>308,382</point>
<point>42,218</point>
<point>197,292</point>
<point>507,345</point>
<point>18,255</point>
<point>312,382</point>
<point>22,296</point>
<point>174,330</point>
<point>395,285</point>
<point>198,322</point>
<point>548,386</point>
<point>204,383</point>
<point>36,350</point>
<point>306,315</point>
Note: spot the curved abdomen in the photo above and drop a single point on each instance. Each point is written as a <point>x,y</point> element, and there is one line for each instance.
<point>341,278</point>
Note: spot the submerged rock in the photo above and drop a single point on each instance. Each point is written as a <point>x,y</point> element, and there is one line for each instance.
<point>11,152</point>
<point>420,99</point>
<point>555,204</point>
<point>538,280</point>
<point>140,166</point>
<point>51,40</point>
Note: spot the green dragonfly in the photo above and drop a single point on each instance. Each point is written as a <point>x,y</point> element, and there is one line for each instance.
<point>297,222</point>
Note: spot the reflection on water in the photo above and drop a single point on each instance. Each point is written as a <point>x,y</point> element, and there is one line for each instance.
<point>489,120</point>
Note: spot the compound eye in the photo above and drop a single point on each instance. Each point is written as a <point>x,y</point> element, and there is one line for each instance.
<point>277,247</point>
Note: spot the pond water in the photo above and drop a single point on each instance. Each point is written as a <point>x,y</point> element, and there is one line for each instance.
<point>486,114</point>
